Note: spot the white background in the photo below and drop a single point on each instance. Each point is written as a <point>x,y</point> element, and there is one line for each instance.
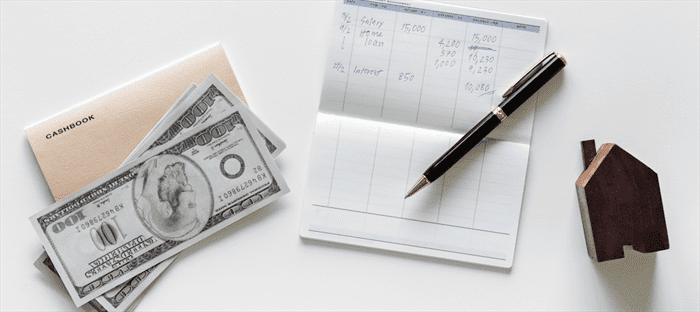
<point>632,79</point>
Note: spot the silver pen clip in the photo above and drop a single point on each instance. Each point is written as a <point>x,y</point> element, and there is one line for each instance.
<point>529,73</point>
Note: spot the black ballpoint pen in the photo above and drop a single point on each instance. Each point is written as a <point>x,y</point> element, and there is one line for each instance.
<point>515,96</point>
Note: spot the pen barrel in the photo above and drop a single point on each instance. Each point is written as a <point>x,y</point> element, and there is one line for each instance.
<point>549,70</point>
<point>528,86</point>
<point>462,147</point>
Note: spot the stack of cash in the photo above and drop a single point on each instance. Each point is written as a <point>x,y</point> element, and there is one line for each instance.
<point>206,164</point>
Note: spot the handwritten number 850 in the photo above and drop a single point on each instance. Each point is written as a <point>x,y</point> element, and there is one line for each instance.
<point>406,77</point>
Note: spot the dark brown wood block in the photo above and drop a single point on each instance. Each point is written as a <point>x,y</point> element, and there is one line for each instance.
<point>620,202</point>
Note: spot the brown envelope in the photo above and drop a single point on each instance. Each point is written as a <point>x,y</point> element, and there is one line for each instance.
<point>88,141</point>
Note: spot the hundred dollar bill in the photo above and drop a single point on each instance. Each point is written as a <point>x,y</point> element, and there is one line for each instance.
<point>126,296</point>
<point>153,208</point>
<point>211,98</point>
<point>183,107</point>
<point>222,102</point>
<point>189,111</point>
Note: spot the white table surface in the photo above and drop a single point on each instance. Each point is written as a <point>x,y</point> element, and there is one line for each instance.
<point>632,79</point>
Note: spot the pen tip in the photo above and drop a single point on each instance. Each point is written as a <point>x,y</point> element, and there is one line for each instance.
<point>422,182</point>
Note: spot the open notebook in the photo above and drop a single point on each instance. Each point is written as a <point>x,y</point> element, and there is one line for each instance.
<point>404,82</point>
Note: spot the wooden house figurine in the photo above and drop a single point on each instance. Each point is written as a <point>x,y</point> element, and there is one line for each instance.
<point>620,202</point>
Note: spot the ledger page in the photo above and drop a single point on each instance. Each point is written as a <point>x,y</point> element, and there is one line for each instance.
<point>404,81</point>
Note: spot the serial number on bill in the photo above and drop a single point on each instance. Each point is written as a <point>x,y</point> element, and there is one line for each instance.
<point>243,186</point>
